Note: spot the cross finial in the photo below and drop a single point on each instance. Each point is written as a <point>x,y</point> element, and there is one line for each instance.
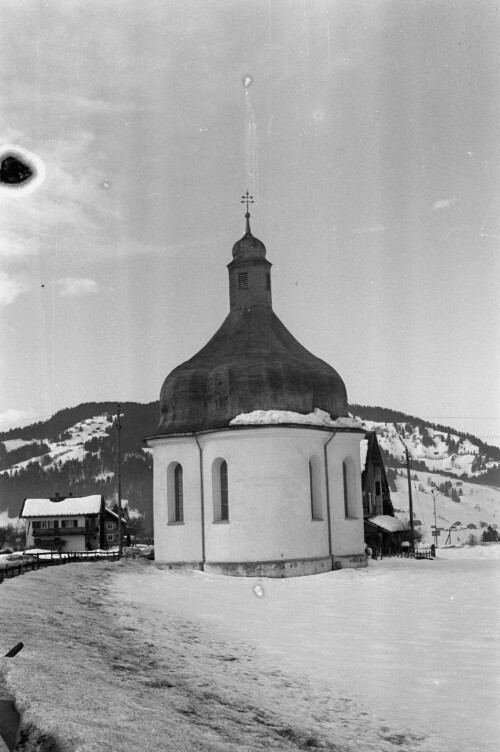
<point>247,199</point>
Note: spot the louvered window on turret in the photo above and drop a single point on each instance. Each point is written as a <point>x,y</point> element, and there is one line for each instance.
<point>243,280</point>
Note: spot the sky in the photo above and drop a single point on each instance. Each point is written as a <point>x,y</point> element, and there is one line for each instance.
<point>367,133</point>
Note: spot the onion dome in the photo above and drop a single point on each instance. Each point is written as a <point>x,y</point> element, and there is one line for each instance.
<point>248,247</point>
<point>251,363</point>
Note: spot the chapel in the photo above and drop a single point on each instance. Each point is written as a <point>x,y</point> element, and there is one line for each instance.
<point>256,463</point>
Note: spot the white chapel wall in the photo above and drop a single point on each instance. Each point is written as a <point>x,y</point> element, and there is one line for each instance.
<point>269,495</point>
<point>177,542</point>
<point>347,530</point>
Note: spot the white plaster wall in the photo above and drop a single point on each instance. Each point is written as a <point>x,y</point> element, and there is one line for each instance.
<point>29,534</point>
<point>347,532</point>
<point>177,542</point>
<point>269,495</point>
<point>73,542</point>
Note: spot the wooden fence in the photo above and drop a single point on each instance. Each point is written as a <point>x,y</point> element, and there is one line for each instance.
<point>38,561</point>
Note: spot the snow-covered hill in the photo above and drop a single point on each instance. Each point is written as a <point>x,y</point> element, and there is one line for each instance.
<point>451,472</point>
<point>76,450</point>
<point>71,447</point>
<point>441,451</point>
<point>458,522</point>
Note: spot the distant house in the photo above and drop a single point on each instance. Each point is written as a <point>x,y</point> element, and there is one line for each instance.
<point>375,487</point>
<point>383,531</point>
<point>71,523</point>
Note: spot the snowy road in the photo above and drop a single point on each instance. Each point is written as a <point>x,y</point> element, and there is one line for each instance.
<point>416,642</point>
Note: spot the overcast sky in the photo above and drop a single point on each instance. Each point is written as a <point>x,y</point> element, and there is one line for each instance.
<point>368,134</point>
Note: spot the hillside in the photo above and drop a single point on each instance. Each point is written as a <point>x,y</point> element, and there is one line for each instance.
<point>76,450</point>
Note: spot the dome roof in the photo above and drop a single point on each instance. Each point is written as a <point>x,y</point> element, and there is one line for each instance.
<point>248,248</point>
<point>251,363</point>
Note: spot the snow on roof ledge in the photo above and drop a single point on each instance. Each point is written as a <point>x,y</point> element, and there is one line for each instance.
<point>385,521</point>
<point>70,506</point>
<point>317,418</point>
<point>363,453</point>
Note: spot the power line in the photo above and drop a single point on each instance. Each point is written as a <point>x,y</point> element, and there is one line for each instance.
<point>460,417</point>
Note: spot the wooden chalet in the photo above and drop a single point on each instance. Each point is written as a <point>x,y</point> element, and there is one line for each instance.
<point>70,523</point>
<point>383,531</point>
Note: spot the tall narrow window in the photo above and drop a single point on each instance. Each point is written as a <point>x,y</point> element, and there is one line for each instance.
<point>243,280</point>
<point>315,487</point>
<point>179,495</point>
<point>346,489</point>
<point>220,491</point>
<point>224,498</point>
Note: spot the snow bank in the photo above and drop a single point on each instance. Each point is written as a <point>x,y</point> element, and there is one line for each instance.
<point>482,551</point>
<point>316,418</point>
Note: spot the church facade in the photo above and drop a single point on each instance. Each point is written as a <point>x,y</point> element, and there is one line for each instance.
<point>256,463</point>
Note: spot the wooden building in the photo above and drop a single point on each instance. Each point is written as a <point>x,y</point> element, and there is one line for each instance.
<point>71,523</point>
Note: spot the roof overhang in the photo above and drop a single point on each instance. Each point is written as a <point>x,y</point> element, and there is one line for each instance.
<point>386,523</point>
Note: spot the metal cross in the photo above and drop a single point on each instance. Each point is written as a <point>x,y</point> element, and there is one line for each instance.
<point>247,199</point>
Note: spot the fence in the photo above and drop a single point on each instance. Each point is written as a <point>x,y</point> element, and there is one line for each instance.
<point>37,561</point>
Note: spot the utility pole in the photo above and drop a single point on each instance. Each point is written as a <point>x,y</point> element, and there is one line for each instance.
<point>436,529</point>
<point>410,501</point>
<point>410,498</point>
<point>119,479</point>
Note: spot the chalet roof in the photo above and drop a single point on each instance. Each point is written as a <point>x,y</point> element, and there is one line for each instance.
<point>386,522</point>
<point>71,506</point>
<point>114,514</point>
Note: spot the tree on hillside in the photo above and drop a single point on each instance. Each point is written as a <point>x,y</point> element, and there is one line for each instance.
<point>12,536</point>
<point>490,535</point>
<point>426,437</point>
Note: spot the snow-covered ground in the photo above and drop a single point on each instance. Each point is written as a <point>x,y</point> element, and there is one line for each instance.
<point>415,642</point>
<point>403,654</point>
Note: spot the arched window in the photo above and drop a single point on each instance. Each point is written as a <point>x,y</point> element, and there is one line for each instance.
<point>175,493</point>
<point>315,488</point>
<point>179,495</point>
<point>220,490</point>
<point>224,497</point>
<point>349,484</point>
<point>345,480</point>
